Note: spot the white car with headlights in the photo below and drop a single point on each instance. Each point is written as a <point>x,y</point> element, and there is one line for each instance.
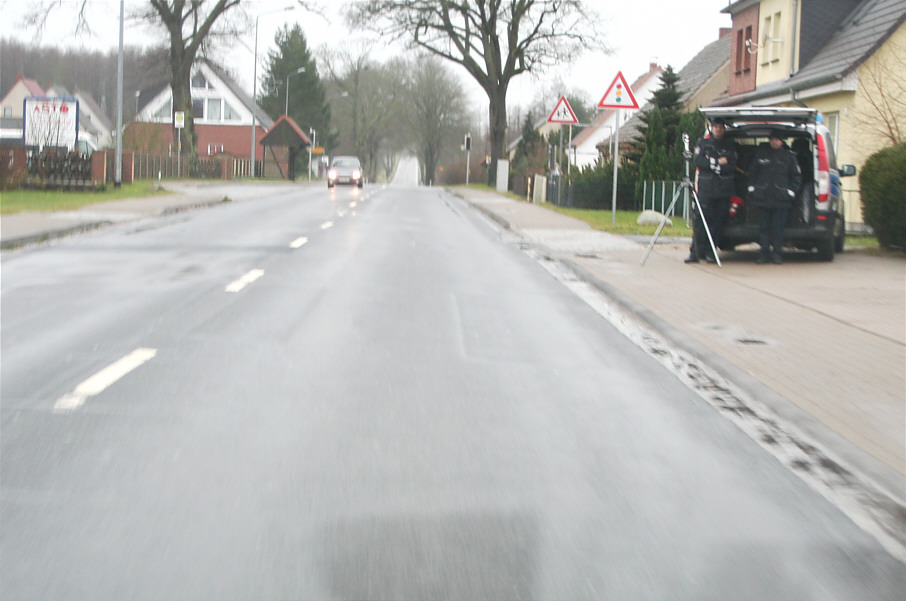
<point>345,170</point>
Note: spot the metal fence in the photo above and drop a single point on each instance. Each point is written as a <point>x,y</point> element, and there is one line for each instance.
<point>657,196</point>
<point>146,166</point>
<point>57,168</point>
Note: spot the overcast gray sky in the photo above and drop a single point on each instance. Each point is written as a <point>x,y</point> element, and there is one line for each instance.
<point>639,31</point>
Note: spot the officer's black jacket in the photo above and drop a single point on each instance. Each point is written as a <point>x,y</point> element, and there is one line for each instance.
<point>714,179</point>
<point>774,178</point>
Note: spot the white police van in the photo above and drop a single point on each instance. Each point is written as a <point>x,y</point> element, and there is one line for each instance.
<point>816,219</point>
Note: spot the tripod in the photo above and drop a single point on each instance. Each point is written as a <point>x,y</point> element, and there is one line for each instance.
<point>685,189</point>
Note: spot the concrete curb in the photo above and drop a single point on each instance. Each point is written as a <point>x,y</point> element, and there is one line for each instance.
<point>19,241</point>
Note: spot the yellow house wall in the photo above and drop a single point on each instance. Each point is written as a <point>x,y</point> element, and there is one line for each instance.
<point>773,60</point>
<point>882,80</point>
<point>862,128</point>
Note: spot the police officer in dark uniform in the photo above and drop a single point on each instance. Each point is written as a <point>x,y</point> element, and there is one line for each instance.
<point>715,159</point>
<point>774,180</point>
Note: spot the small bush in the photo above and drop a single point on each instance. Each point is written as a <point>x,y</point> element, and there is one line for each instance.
<point>883,183</point>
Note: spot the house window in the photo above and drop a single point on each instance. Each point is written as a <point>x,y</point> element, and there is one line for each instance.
<point>165,112</point>
<point>229,113</point>
<point>740,50</point>
<point>771,42</point>
<point>7,111</point>
<point>832,121</point>
<point>777,35</point>
<point>213,113</point>
<point>747,58</point>
<point>199,81</point>
<point>198,108</point>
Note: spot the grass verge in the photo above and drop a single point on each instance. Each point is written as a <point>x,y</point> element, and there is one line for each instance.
<point>17,201</point>
<point>625,222</point>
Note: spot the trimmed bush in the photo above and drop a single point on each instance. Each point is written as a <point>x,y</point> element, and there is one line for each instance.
<point>883,183</point>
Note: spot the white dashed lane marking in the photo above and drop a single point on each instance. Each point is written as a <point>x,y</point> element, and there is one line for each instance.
<point>245,280</point>
<point>102,380</point>
<point>327,225</point>
<point>298,242</point>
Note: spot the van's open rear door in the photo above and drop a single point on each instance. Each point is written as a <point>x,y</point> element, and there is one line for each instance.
<point>743,114</point>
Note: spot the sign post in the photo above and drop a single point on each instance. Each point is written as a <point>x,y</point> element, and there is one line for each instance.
<point>179,121</point>
<point>618,96</point>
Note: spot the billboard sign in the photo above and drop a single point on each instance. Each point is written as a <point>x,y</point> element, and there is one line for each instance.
<point>50,122</point>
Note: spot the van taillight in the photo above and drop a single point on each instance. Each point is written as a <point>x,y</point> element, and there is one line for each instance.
<point>823,171</point>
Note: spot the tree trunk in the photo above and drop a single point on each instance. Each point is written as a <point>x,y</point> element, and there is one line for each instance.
<point>497,134</point>
<point>181,87</point>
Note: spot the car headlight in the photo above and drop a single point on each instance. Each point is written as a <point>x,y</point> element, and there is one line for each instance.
<point>356,174</point>
<point>332,173</point>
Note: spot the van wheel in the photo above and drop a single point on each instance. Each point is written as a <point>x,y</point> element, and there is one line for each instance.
<point>826,248</point>
<point>839,242</point>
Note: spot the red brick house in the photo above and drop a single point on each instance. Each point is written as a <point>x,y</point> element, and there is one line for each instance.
<point>223,120</point>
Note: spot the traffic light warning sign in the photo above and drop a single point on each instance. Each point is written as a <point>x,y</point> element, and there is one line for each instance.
<point>618,95</point>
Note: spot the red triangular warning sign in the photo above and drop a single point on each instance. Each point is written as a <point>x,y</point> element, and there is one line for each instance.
<point>618,95</point>
<point>563,113</point>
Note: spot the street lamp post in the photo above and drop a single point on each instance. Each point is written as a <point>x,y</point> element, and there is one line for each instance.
<point>286,104</point>
<point>255,84</point>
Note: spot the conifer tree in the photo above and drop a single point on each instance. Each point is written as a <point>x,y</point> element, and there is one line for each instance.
<point>668,100</point>
<point>654,164</point>
<point>307,102</point>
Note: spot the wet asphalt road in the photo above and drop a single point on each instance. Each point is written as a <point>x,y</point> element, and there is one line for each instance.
<point>370,395</point>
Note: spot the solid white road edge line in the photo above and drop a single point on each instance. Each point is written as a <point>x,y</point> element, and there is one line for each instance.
<point>245,280</point>
<point>100,381</point>
<point>298,242</point>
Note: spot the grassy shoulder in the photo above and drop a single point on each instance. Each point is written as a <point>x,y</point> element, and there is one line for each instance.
<point>17,201</point>
<point>625,222</point>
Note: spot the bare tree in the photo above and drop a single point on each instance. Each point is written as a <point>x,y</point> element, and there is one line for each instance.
<point>437,113</point>
<point>494,40</point>
<point>366,102</point>
<point>884,92</point>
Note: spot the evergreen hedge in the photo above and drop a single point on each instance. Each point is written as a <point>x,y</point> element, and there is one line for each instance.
<point>883,183</point>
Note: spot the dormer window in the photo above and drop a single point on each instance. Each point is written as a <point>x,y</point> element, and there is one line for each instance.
<point>199,81</point>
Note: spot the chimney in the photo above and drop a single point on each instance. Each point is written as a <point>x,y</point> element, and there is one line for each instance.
<point>723,32</point>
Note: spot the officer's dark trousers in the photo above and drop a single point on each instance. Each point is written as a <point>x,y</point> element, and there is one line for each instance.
<point>715,209</point>
<point>772,222</point>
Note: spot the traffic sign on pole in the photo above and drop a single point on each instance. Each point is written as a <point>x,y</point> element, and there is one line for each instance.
<point>563,113</point>
<point>618,95</point>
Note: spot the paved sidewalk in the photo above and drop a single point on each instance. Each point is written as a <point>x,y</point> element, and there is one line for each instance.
<point>823,345</point>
